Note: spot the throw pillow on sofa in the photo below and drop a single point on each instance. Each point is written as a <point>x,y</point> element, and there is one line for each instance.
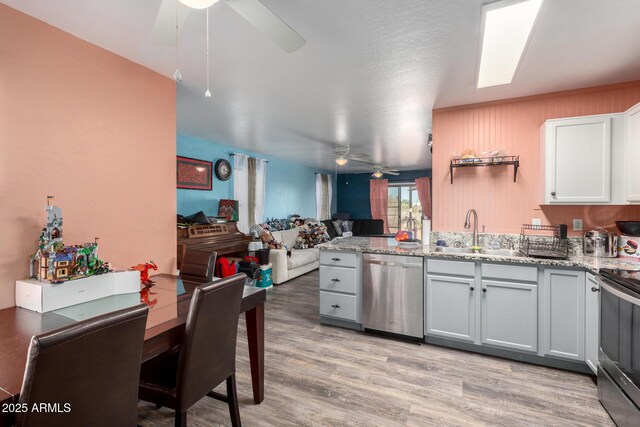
<point>337,226</point>
<point>311,236</point>
<point>346,226</point>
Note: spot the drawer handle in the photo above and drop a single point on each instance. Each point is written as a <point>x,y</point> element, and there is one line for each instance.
<point>335,280</point>
<point>335,259</point>
<point>594,289</point>
<point>335,306</point>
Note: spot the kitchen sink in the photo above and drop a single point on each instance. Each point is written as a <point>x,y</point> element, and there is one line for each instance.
<point>488,252</point>
<point>501,252</point>
<point>452,250</point>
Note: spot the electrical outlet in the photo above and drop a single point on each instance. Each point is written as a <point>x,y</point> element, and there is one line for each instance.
<point>577,224</point>
<point>536,221</point>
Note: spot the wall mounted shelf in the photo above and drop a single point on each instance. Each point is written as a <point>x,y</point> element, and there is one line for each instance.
<point>486,161</point>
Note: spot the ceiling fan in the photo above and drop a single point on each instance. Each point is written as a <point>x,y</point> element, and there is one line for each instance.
<point>344,154</point>
<point>173,14</point>
<point>379,170</point>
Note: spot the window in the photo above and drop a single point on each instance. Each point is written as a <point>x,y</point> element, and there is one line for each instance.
<point>404,209</point>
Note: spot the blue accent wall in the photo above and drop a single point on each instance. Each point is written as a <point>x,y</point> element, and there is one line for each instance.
<point>353,190</point>
<point>290,187</point>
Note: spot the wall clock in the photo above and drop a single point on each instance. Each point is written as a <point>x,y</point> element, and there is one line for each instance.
<point>223,169</point>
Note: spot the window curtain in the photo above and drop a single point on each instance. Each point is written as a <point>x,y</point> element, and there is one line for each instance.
<point>257,181</point>
<point>379,196</point>
<point>423,185</point>
<point>241,190</point>
<point>324,192</point>
<point>249,184</point>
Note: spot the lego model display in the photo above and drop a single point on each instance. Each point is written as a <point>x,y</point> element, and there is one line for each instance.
<point>57,262</point>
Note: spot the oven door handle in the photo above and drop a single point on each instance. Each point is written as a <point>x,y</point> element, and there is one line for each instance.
<point>625,296</point>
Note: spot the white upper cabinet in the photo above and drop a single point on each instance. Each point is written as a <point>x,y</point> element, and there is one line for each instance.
<point>632,154</point>
<point>576,160</point>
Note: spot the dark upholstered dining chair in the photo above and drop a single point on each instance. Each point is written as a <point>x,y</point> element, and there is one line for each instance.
<point>207,356</point>
<point>90,369</point>
<point>197,265</point>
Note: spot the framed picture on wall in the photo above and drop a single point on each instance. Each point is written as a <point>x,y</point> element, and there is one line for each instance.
<point>194,174</point>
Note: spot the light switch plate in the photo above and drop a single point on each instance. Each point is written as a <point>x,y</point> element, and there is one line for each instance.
<point>536,221</point>
<point>577,224</point>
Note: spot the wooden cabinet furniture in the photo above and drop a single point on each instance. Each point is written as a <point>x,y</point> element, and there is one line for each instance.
<point>510,314</point>
<point>530,312</point>
<point>450,302</point>
<point>632,154</point>
<point>498,301</point>
<point>591,159</point>
<point>576,160</point>
<point>564,313</point>
<point>341,288</point>
<point>592,324</point>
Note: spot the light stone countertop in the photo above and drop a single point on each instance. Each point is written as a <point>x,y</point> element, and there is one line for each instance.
<point>383,245</point>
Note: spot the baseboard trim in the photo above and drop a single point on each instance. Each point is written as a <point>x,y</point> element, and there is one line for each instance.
<point>568,365</point>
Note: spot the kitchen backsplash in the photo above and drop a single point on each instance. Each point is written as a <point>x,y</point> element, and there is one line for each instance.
<point>494,241</point>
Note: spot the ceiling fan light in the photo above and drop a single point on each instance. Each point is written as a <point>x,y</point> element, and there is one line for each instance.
<point>341,161</point>
<point>377,174</point>
<point>198,4</point>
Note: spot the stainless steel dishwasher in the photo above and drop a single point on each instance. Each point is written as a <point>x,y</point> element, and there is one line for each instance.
<point>392,294</point>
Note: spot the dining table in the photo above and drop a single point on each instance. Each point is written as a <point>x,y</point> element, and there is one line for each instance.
<point>168,300</point>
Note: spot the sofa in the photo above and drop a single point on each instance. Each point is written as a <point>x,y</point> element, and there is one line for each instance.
<point>361,227</point>
<point>300,262</point>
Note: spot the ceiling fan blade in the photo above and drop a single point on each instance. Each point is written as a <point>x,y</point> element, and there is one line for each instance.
<point>164,28</point>
<point>269,23</point>
<point>388,172</point>
<point>359,157</point>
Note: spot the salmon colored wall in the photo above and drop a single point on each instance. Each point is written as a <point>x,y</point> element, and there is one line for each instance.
<point>93,129</point>
<point>502,205</point>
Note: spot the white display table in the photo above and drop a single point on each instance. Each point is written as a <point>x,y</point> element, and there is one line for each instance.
<point>44,296</point>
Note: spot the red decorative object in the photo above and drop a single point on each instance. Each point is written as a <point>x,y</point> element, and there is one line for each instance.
<point>144,273</point>
<point>146,282</point>
<point>194,174</point>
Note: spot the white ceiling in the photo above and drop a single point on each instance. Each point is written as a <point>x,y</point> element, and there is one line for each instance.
<point>368,76</point>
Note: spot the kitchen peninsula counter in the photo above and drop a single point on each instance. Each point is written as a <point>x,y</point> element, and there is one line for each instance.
<point>383,245</point>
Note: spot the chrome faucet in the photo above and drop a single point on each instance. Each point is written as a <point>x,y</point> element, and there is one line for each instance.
<point>467,225</point>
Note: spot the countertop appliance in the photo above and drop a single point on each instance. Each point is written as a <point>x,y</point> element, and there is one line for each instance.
<point>600,243</point>
<point>619,355</point>
<point>392,294</point>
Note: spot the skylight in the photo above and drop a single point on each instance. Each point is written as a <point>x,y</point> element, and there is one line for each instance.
<point>506,25</point>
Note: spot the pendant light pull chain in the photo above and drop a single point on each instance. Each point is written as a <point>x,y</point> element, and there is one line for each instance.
<point>177,75</point>
<point>207,94</point>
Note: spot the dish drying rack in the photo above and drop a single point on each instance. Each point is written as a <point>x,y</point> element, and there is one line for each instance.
<point>552,244</point>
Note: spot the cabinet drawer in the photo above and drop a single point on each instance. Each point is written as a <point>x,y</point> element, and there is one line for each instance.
<point>447,267</point>
<point>338,305</point>
<point>338,279</point>
<point>340,259</point>
<point>519,273</point>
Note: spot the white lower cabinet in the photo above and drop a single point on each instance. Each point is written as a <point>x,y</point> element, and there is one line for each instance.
<point>450,308</point>
<point>340,287</point>
<point>510,315</point>
<point>592,327</point>
<point>544,312</point>
<point>564,313</point>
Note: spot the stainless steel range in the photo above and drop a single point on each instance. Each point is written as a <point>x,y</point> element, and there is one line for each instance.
<point>619,358</point>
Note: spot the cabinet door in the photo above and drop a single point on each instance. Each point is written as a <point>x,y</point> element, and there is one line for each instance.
<point>592,321</point>
<point>564,308</point>
<point>450,311</point>
<point>578,160</point>
<point>510,315</point>
<point>632,154</point>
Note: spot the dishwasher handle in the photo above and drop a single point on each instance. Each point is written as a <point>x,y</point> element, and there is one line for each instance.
<point>393,264</point>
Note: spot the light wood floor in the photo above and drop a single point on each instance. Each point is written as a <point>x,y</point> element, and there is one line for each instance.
<point>325,376</point>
